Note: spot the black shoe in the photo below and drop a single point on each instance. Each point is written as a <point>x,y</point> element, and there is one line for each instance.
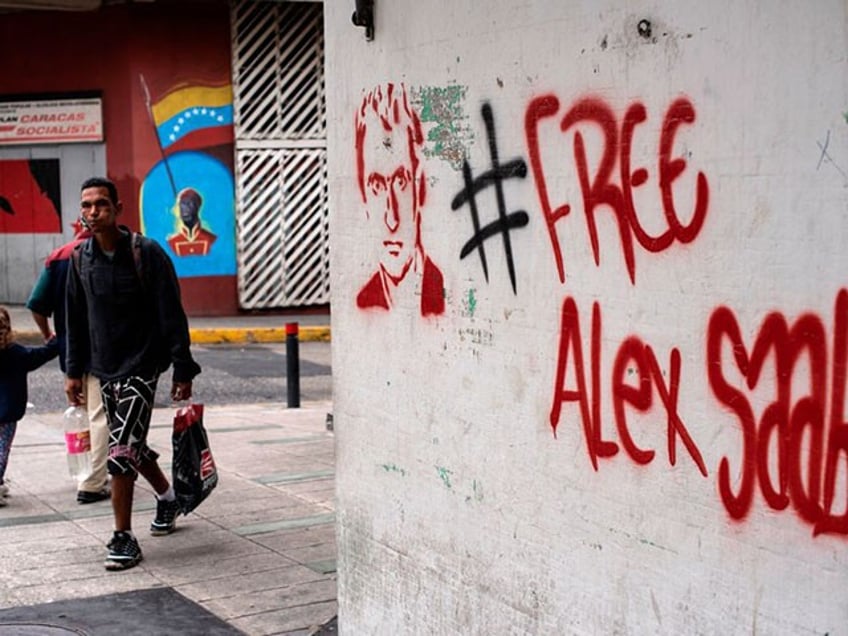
<point>85,497</point>
<point>124,552</point>
<point>166,518</point>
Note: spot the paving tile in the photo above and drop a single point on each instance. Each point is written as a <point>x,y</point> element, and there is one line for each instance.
<point>320,496</point>
<point>308,554</point>
<point>168,555</point>
<point>327,566</point>
<point>222,567</point>
<point>298,537</point>
<point>284,524</point>
<point>271,515</point>
<point>225,504</point>
<point>264,581</point>
<point>309,439</point>
<point>136,579</point>
<point>240,605</point>
<point>293,621</point>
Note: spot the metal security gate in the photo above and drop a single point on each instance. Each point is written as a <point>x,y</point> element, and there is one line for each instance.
<point>281,154</point>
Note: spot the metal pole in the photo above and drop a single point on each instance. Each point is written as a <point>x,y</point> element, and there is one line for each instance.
<point>292,365</point>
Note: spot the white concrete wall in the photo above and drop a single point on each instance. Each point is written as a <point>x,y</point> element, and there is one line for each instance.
<point>459,509</point>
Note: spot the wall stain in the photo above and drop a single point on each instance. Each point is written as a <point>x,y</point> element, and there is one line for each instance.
<point>443,106</point>
<point>477,487</point>
<point>477,336</point>
<point>393,468</point>
<point>445,476</point>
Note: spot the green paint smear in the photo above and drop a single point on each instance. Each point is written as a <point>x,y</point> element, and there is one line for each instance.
<point>444,475</point>
<point>845,115</point>
<point>471,302</point>
<point>392,468</point>
<point>442,106</point>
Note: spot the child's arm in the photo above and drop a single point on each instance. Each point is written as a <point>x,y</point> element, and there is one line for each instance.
<point>34,357</point>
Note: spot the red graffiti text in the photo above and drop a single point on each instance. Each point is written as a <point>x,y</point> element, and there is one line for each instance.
<point>602,188</point>
<point>632,352</point>
<point>809,445</point>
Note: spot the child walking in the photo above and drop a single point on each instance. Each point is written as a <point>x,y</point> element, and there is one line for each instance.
<point>16,361</point>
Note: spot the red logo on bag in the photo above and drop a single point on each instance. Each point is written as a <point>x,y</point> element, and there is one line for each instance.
<point>207,464</point>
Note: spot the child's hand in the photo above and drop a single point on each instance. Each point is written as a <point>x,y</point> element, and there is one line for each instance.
<point>73,389</point>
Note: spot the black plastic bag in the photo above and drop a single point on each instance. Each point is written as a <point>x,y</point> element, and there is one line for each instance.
<point>194,472</point>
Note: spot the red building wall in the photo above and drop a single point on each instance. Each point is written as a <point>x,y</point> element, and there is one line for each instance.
<point>172,45</point>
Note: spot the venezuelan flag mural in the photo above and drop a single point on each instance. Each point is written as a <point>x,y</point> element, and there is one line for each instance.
<point>194,116</point>
<point>187,198</point>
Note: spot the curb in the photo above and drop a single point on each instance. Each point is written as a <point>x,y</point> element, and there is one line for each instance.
<point>257,334</point>
<point>222,335</point>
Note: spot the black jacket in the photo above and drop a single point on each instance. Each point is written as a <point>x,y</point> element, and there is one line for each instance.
<point>15,362</point>
<point>124,321</point>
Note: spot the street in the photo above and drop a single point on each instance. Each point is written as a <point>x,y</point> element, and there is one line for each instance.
<point>232,374</point>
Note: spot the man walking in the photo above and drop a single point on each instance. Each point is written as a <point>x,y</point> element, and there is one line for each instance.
<point>48,299</point>
<point>125,322</point>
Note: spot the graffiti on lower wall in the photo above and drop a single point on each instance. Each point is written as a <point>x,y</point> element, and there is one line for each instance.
<point>795,454</point>
<point>188,197</point>
<point>30,196</point>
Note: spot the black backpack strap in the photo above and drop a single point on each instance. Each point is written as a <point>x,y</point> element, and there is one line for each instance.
<point>76,256</point>
<point>136,253</point>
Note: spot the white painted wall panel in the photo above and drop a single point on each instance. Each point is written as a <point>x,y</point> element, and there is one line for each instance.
<point>459,510</point>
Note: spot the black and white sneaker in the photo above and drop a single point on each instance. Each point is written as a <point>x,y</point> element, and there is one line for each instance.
<point>124,552</point>
<point>166,518</point>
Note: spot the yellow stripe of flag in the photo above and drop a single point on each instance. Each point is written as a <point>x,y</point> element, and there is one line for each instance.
<point>177,101</point>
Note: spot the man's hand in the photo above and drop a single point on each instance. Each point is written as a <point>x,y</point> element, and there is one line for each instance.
<point>73,389</point>
<point>181,391</point>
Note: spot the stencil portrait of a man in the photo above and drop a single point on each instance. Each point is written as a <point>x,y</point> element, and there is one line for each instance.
<point>393,189</point>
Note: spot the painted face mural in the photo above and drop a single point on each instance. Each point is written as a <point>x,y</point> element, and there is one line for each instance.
<point>393,189</point>
<point>197,222</point>
<point>191,238</point>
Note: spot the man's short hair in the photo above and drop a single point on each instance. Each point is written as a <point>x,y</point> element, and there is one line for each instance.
<point>389,106</point>
<point>102,182</point>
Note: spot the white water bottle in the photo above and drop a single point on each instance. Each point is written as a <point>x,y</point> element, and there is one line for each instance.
<point>78,442</point>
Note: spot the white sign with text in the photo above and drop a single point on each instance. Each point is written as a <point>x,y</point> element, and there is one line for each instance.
<point>51,121</point>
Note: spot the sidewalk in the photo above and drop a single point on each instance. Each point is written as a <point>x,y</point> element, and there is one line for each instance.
<point>258,554</point>
<point>212,329</point>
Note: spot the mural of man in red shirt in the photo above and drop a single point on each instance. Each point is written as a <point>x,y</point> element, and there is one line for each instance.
<point>191,238</point>
<point>393,188</point>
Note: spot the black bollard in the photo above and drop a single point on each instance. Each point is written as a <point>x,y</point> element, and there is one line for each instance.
<point>292,365</point>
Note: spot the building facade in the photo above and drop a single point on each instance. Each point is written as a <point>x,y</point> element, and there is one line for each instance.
<point>588,267</point>
<point>210,122</point>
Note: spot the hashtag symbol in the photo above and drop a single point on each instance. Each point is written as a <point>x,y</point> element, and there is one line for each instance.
<point>505,222</point>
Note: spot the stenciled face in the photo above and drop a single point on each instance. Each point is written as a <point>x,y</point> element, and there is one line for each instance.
<point>390,200</point>
<point>98,210</point>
